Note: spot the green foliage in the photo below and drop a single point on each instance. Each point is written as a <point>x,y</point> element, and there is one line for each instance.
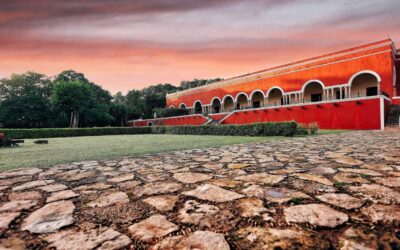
<point>197,83</point>
<point>257,129</point>
<point>71,132</point>
<point>24,101</point>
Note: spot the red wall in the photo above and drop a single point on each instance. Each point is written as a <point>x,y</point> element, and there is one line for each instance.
<point>217,117</point>
<point>364,114</point>
<point>333,69</point>
<point>173,121</point>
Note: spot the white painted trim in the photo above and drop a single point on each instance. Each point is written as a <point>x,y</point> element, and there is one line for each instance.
<point>172,106</point>
<point>163,118</point>
<point>212,100</point>
<point>194,103</point>
<point>259,75</point>
<point>306,104</point>
<point>382,111</point>
<point>378,77</point>
<point>272,88</point>
<point>180,105</point>
<point>396,97</point>
<point>255,91</point>
<point>223,99</point>
<point>311,81</point>
<point>240,93</point>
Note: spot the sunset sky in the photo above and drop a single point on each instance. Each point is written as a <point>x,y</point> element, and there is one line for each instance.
<point>124,44</point>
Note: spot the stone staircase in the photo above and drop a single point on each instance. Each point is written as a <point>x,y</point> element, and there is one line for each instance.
<point>210,121</point>
<point>392,119</point>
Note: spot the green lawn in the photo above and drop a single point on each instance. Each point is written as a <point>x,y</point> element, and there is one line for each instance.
<point>71,149</point>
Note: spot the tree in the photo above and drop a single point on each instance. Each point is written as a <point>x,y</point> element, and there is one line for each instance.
<point>135,104</point>
<point>120,113</point>
<point>24,101</point>
<point>73,97</point>
<point>197,82</point>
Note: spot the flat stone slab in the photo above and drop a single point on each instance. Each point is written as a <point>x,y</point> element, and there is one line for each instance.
<point>199,240</point>
<point>279,195</point>
<point>341,200</point>
<point>90,239</point>
<point>377,193</point>
<point>122,178</point>
<point>262,178</point>
<point>274,238</point>
<point>162,203</point>
<point>17,205</point>
<point>110,199</point>
<point>360,171</point>
<point>53,188</point>
<point>388,181</point>
<point>50,217</point>
<point>191,178</point>
<point>20,172</point>
<point>358,238</point>
<point>157,188</point>
<point>152,228</point>
<point>62,195</point>
<point>250,207</point>
<point>316,178</point>
<point>32,184</point>
<point>387,214</point>
<point>213,193</point>
<point>315,214</point>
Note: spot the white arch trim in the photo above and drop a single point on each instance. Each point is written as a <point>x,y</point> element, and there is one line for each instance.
<point>223,99</point>
<point>311,81</point>
<point>378,77</point>
<point>255,91</point>
<point>182,104</point>
<point>197,101</point>
<point>238,94</point>
<point>272,88</point>
<point>212,100</point>
<point>172,107</point>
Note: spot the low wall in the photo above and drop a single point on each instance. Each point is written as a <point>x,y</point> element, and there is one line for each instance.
<point>360,114</point>
<point>170,121</point>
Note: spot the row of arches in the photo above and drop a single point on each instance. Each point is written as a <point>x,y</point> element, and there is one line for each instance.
<point>363,84</point>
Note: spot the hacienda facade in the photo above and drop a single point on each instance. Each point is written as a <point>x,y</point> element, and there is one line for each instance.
<point>356,88</point>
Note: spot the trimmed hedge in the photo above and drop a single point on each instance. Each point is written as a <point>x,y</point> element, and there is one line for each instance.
<point>71,132</point>
<point>256,129</point>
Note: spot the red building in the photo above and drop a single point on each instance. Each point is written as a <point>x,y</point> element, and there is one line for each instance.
<point>350,89</point>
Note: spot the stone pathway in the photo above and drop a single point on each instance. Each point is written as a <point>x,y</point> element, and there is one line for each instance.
<point>338,191</point>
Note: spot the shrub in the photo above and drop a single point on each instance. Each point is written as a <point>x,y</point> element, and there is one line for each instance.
<point>173,112</point>
<point>70,132</point>
<point>256,129</point>
<point>313,127</point>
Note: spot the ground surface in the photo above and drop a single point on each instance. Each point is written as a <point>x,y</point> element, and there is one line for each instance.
<point>72,149</point>
<point>324,192</point>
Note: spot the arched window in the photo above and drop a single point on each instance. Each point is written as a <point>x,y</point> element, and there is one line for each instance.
<point>216,105</point>
<point>313,91</point>
<point>241,101</point>
<point>182,106</point>
<point>275,97</point>
<point>364,84</point>
<point>198,108</point>
<point>257,99</point>
<point>228,103</point>
<point>150,124</point>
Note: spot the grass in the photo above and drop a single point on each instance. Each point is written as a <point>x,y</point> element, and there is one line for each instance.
<point>72,149</point>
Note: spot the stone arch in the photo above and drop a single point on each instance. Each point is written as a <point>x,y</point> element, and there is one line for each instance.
<point>313,91</point>
<point>257,98</point>
<point>365,83</point>
<point>275,96</point>
<point>242,100</point>
<point>198,107</point>
<point>228,103</point>
<point>215,105</point>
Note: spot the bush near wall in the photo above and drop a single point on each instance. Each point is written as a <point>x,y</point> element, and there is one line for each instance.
<point>71,132</point>
<point>256,129</point>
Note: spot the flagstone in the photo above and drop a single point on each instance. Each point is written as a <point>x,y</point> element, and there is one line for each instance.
<point>377,193</point>
<point>17,205</point>
<point>162,203</point>
<point>53,188</point>
<point>152,228</point>
<point>162,187</point>
<point>341,200</point>
<point>122,178</point>
<point>262,178</point>
<point>62,195</point>
<point>314,214</point>
<point>250,207</point>
<point>378,213</point>
<point>32,184</point>
<point>110,199</point>
<point>213,193</point>
<point>190,178</point>
<point>315,178</point>
<point>28,195</point>
<point>279,195</point>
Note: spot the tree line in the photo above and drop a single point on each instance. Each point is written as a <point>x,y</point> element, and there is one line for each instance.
<point>34,100</point>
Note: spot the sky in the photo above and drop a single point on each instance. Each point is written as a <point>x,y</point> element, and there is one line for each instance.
<point>130,44</point>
